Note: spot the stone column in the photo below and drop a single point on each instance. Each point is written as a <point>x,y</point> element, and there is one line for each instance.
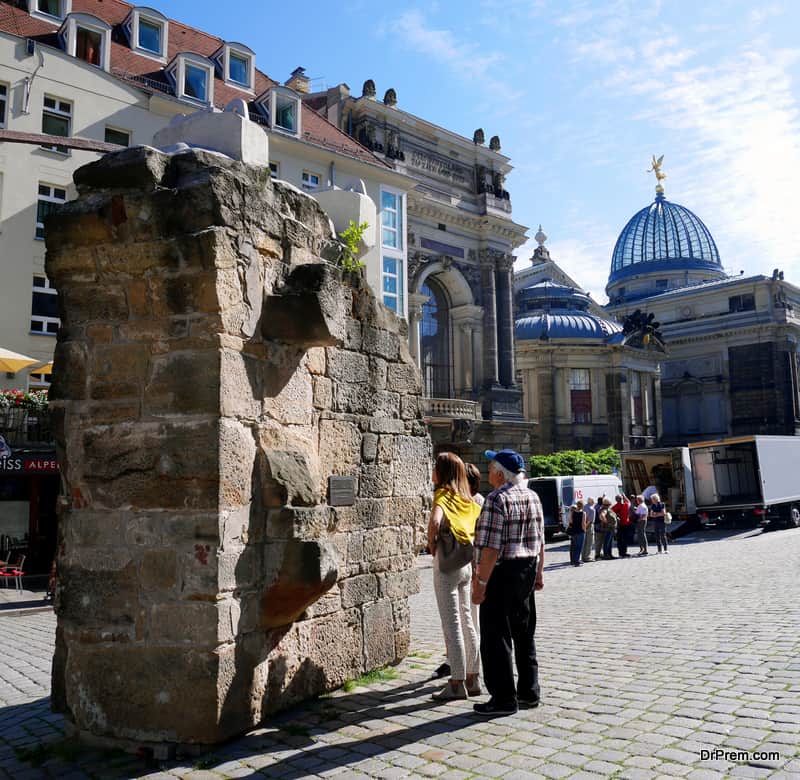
<point>505,316</point>
<point>415,302</point>
<point>466,320</point>
<point>487,263</point>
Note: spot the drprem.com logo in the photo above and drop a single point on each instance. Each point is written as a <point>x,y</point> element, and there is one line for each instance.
<point>739,756</point>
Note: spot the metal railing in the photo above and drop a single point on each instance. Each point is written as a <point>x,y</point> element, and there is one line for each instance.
<point>22,427</point>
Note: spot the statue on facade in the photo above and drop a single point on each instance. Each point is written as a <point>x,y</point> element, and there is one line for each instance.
<point>494,143</point>
<point>393,145</point>
<point>368,90</point>
<point>642,330</point>
<point>390,97</point>
<point>478,137</point>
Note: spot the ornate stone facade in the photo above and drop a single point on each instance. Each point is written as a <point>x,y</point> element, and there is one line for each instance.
<point>212,375</point>
<point>461,239</point>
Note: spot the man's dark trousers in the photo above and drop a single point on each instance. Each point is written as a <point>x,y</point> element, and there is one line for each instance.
<point>508,615</point>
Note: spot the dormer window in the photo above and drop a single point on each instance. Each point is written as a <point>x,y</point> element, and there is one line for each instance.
<point>239,69</point>
<point>50,9</point>
<point>150,36</point>
<point>236,65</point>
<point>282,106</point>
<point>195,82</point>
<point>87,38</point>
<point>193,77</point>
<point>147,31</point>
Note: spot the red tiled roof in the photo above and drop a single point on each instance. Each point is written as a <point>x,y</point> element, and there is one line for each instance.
<point>146,73</point>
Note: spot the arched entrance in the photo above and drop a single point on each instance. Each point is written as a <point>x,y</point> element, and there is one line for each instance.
<point>435,340</point>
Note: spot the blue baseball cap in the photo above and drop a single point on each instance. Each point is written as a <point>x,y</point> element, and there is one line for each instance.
<point>508,459</point>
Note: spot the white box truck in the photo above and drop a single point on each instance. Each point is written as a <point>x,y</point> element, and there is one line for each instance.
<point>558,494</point>
<point>749,478</point>
<point>669,469</point>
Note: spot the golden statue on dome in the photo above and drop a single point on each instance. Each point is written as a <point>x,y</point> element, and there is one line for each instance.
<point>660,175</point>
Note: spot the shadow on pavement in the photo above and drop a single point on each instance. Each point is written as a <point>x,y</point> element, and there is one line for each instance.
<point>369,709</point>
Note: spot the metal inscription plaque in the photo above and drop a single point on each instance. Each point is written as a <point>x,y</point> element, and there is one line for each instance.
<point>341,491</point>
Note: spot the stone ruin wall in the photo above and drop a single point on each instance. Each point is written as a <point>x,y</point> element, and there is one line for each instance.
<point>212,371</point>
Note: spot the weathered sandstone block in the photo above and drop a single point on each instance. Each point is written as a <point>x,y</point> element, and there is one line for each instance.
<point>213,371</point>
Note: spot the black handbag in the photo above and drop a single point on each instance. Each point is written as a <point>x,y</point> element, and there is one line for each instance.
<point>451,553</point>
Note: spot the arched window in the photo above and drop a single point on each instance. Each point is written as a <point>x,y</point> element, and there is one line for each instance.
<point>435,341</point>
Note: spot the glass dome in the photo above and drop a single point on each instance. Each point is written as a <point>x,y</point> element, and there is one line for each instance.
<point>664,236</point>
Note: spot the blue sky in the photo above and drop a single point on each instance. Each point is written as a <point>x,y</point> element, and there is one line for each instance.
<point>581,93</point>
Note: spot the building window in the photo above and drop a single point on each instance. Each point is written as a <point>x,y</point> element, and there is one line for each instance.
<point>88,45</point>
<point>44,307</point>
<point>195,83</point>
<point>239,69</point>
<point>3,103</point>
<point>56,120</point>
<point>193,77</point>
<point>150,36</point>
<point>392,284</point>
<point>637,407</point>
<point>391,219</point>
<point>275,170</point>
<point>118,137</point>
<point>48,195</point>
<point>286,109</point>
<point>580,395</point>
<point>281,107</point>
<point>434,340</point>
<point>310,180</point>
<point>54,8</point>
<point>746,302</point>
<point>662,284</point>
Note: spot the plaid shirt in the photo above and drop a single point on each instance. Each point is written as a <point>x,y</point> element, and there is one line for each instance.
<point>511,522</point>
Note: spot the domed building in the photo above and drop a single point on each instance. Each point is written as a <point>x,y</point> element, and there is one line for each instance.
<point>663,246</point>
<point>731,362</point>
<point>585,384</point>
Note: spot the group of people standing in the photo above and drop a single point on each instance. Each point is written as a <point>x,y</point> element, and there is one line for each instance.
<point>488,558</point>
<point>594,526</point>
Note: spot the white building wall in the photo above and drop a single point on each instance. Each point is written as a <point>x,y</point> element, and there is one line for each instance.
<point>98,100</point>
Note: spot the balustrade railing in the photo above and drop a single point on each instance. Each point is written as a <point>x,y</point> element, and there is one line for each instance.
<point>452,408</point>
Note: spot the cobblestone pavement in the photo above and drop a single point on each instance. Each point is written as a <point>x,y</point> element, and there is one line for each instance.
<point>645,664</point>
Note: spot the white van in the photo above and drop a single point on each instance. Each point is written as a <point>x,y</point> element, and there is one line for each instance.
<point>558,494</point>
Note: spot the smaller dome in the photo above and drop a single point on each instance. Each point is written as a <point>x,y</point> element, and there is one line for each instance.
<point>565,324</point>
<point>549,294</point>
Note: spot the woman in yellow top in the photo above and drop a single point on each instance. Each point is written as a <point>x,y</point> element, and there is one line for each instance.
<point>453,505</point>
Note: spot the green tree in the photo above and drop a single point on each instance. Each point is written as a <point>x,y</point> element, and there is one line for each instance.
<point>569,462</point>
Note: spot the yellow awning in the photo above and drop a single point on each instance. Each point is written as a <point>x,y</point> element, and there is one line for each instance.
<point>13,361</point>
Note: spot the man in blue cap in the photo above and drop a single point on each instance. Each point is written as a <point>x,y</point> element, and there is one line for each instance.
<point>509,550</point>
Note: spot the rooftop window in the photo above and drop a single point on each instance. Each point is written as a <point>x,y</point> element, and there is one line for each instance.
<point>282,106</point>
<point>87,38</point>
<point>51,9</point>
<point>150,36</point>
<point>147,31</point>
<point>235,65</point>
<point>193,77</point>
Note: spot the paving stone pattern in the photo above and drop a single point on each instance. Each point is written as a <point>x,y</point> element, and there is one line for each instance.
<point>645,662</point>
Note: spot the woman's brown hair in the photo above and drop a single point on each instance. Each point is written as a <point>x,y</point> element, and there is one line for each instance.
<point>451,474</point>
<point>473,477</point>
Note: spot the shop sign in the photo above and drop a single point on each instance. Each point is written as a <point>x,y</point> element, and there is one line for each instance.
<point>29,465</point>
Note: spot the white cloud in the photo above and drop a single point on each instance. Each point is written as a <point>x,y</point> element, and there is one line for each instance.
<point>464,59</point>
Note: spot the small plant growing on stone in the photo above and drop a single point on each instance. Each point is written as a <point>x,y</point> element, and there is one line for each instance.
<point>351,238</point>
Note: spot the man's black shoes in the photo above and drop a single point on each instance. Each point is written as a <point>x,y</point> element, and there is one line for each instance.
<point>493,708</point>
<point>529,702</point>
<point>443,670</point>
